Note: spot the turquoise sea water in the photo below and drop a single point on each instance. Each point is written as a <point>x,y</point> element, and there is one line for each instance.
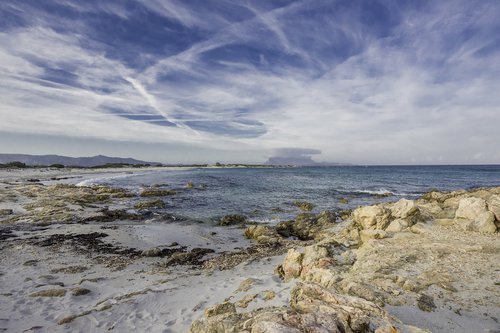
<point>267,194</point>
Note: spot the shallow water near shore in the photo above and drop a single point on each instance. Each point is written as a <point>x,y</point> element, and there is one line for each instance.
<point>267,194</point>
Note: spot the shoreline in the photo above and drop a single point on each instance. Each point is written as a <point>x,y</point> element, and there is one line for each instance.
<point>425,261</point>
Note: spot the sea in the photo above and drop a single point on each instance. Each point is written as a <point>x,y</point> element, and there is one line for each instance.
<point>268,194</point>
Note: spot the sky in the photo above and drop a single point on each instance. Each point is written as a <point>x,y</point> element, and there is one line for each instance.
<point>191,81</point>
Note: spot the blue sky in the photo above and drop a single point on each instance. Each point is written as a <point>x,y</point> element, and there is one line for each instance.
<point>408,82</point>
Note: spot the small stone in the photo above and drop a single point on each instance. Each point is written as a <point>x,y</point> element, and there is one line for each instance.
<point>152,252</point>
<point>30,262</point>
<point>49,293</point>
<point>79,291</point>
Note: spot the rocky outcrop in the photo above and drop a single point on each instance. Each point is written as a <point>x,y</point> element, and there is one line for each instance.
<point>64,203</point>
<point>413,252</point>
<point>473,215</point>
<point>494,206</point>
<point>312,309</point>
<point>372,217</point>
<point>472,211</point>
<point>307,226</point>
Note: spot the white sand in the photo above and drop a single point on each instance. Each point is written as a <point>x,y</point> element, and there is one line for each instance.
<point>172,297</point>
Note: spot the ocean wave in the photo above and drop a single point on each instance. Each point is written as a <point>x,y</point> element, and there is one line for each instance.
<point>103,179</point>
<point>375,192</point>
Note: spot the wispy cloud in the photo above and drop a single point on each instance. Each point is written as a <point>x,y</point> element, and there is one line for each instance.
<point>387,81</point>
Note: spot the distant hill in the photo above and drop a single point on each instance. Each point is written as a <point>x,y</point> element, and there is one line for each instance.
<point>69,161</point>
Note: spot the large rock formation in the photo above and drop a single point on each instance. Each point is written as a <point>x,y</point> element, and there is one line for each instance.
<point>434,254</point>
<point>473,214</point>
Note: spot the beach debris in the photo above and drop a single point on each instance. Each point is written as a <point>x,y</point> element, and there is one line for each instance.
<point>70,269</point>
<point>194,257</point>
<point>243,303</point>
<point>426,303</point>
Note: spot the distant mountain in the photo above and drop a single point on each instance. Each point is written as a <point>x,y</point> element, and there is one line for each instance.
<point>69,161</point>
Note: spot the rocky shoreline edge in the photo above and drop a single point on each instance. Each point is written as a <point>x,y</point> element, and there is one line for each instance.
<point>351,271</point>
<point>438,252</point>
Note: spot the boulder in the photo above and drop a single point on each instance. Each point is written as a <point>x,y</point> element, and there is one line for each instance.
<point>473,215</point>
<point>78,291</point>
<point>262,234</point>
<point>351,313</point>
<point>307,226</point>
<point>273,327</point>
<point>292,264</point>
<point>367,235</point>
<point>398,225</point>
<point>371,217</point>
<point>404,208</point>
<point>323,276</point>
<point>314,253</point>
<point>494,206</point>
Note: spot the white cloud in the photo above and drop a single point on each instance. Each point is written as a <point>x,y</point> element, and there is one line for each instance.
<point>412,96</point>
